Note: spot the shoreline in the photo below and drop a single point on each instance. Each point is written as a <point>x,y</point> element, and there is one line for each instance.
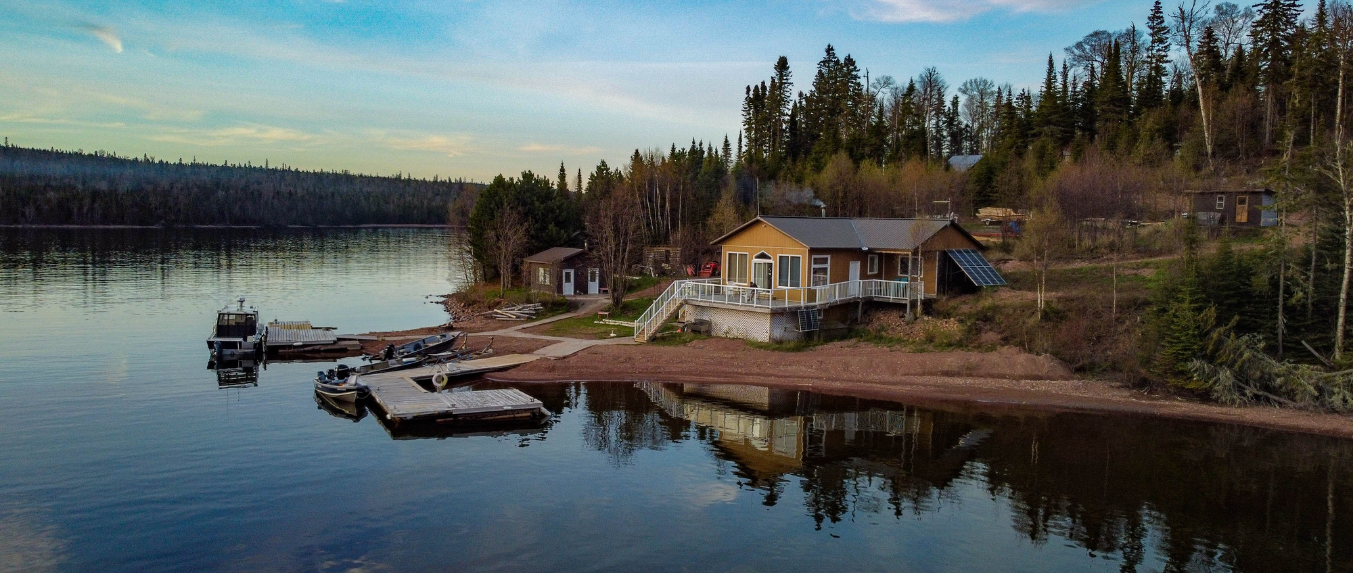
<point>1006,379</point>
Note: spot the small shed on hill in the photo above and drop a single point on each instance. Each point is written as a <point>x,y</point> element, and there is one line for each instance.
<point>564,271</point>
<point>1232,207</point>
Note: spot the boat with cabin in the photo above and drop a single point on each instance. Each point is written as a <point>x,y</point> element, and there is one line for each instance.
<point>236,335</point>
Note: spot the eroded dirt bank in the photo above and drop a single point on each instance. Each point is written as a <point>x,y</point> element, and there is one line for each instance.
<point>1004,379</point>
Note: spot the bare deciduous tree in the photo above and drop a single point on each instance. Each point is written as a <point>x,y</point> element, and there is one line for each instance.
<point>615,231</point>
<point>506,238</point>
<point>1336,164</point>
<point>1189,22</point>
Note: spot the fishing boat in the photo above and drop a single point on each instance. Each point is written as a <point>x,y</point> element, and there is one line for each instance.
<point>236,335</point>
<point>339,384</point>
<point>420,347</point>
<point>389,365</point>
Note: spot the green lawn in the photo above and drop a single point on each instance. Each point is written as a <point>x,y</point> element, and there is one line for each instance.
<point>587,327</point>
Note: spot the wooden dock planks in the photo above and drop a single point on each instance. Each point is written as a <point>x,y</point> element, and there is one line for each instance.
<point>297,333</point>
<point>403,399</point>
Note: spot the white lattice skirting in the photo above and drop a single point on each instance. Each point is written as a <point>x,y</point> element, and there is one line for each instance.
<point>749,325</point>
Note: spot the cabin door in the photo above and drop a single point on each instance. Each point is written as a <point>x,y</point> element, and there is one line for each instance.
<point>568,282</point>
<point>593,281</point>
<point>854,278</point>
<point>1242,208</point>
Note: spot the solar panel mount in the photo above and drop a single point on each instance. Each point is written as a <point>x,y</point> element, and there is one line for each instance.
<point>976,267</point>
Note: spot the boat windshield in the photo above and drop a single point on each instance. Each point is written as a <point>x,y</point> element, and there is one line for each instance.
<point>236,325</point>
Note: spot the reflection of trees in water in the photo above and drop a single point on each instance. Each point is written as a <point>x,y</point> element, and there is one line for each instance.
<point>1200,496</point>
<point>621,421</point>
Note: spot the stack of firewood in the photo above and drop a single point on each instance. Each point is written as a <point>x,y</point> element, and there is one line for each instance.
<point>516,312</point>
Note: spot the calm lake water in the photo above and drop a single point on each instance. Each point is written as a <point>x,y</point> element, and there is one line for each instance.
<point>120,451</point>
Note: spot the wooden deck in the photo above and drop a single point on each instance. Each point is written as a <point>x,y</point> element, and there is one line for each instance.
<point>402,398</point>
<point>297,333</point>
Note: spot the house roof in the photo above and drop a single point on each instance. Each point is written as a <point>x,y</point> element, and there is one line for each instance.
<point>961,163</point>
<point>554,255</point>
<point>854,233</point>
<point>1212,191</point>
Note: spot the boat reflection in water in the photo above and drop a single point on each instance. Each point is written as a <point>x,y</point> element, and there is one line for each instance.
<point>235,373</point>
<point>352,411</point>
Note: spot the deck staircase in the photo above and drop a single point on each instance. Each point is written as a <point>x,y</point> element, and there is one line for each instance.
<point>662,309</point>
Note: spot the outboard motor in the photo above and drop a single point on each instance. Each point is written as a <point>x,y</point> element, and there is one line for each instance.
<point>343,371</point>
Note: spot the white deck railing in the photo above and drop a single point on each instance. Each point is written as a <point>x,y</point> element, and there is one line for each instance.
<point>711,291</point>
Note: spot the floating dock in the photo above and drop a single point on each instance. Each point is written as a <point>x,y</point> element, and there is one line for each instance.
<point>297,333</point>
<point>403,398</point>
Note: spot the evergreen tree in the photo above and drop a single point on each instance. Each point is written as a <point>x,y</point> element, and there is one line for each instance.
<point>1151,93</point>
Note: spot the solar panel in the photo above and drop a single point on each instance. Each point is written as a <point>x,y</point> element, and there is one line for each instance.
<point>976,267</point>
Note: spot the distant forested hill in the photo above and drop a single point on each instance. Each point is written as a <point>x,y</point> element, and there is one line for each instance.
<point>52,187</point>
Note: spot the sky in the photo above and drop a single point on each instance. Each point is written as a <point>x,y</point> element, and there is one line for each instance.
<point>471,88</point>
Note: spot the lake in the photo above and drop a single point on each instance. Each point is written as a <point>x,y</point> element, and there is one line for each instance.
<point>122,451</point>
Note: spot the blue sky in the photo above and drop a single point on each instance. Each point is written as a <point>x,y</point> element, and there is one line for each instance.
<point>468,88</point>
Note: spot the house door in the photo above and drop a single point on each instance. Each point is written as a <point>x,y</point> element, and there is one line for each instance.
<point>568,282</point>
<point>854,278</point>
<point>593,281</point>
<point>761,274</point>
<point>1242,208</point>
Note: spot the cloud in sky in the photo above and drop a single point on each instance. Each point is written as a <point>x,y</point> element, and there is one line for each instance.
<point>236,135</point>
<point>947,10</point>
<point>105,34</point>
<point>556,148</point>
<point>448,146</point>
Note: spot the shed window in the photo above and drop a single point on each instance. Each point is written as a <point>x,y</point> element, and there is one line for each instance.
<point>821,270</point>
<point>873,264</point>
<point>543,275</point>
<point>1221,201</point>
<point>791,269</point>
<point>737,268</point>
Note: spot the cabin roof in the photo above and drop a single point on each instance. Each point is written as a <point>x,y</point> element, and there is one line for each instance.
<point>854,233</point>
<point>554,255</point>
<point>961,163</point>
<point>1216,191</point>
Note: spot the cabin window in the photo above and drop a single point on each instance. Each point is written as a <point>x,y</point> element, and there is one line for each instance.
<point>736,270</point>
<point>821,270</point>
<point>543,275</point>
<point>904,267</point>
<point>873,264</point>
<point>791,269</point>
<point>1221,201</point>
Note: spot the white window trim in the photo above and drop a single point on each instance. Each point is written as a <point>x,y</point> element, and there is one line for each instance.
<point>920,270</point>
<point>781,266</point>
<point>751,264</point>
<point>729,279</point>
<point>815,266</point>
<point>1221,201</point>
<point>872,266</point>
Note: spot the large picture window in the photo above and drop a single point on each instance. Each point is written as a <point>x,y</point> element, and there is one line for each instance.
<point>791,269</point>
<point>821,270</point>
<point>543,275</point>
<point>736,269</point>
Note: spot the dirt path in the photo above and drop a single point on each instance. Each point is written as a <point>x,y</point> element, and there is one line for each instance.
<point>1004,379</point>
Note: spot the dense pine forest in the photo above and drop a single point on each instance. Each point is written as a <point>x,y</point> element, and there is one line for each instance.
<point>52,187</point>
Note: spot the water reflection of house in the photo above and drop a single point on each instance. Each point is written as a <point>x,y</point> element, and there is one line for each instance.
<point>771,432</point>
